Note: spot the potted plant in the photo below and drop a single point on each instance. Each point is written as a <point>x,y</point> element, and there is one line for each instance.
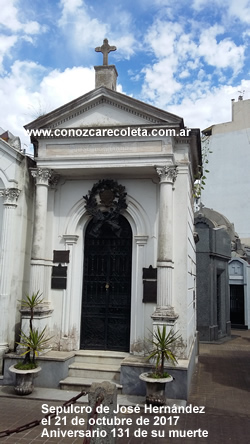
<point>156,380</point>
<point>33,343</point>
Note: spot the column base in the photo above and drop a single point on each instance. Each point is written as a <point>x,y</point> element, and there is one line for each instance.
<point>41,319</point>
<point>164,317</point>
<point>164,314</point>
<point>3,349</point>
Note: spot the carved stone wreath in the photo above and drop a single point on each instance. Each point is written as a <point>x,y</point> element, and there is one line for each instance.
<point>109,194</point>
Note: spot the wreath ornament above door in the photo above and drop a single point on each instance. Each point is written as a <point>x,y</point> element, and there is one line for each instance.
<point>104,202</point>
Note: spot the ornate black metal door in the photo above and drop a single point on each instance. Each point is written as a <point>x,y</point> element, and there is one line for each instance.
<point>106,302</point>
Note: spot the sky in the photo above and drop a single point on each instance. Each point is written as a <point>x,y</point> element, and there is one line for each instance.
<point>190,57</point>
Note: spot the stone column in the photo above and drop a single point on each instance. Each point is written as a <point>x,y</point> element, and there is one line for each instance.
<point>164,311</point>
<point>6,263</point>
<point>38,259</point>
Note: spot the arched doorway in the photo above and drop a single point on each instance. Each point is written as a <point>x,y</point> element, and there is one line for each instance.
<point>106,299</point>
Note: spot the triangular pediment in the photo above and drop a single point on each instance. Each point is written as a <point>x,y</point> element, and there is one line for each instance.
<point>104,107</point>
<point>8,152</point>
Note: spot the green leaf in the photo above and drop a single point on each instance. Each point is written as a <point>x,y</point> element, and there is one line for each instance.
<point>162,351</point>
<point>35,341</point>
<point>32,301</point>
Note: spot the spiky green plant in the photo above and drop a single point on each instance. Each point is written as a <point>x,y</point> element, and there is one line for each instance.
<point>35,342</point>
<point>162,350</point>
<point>31,302</point>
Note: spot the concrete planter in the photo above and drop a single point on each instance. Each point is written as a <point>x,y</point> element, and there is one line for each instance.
<point>24,380</point>
<point>155,394</point>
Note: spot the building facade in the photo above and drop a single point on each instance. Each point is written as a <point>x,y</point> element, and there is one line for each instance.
<point>16,204</point>
<point>228,165</point>
<point>228,155</point>
<point>113,249</point>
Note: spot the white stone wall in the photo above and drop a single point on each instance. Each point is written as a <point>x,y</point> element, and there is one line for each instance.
<point>69,218</point>
<point>1,207</point>
<point>15,238</point>
<point>184,260</point>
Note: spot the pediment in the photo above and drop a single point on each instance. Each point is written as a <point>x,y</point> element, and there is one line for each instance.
<point>8,153</point>
<point>104,107</point>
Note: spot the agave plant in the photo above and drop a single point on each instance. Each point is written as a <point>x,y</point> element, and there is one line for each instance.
<point>34,342</point>
<point>31,302</point>
<point>162,350</point>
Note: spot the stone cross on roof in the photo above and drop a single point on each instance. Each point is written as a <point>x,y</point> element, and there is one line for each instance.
<point>105,49</point>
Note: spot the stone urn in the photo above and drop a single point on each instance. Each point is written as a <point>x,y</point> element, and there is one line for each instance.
<point>155,388</point>
<point>24,380</point>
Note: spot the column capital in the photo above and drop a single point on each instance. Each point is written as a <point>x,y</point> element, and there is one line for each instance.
<point>141,239</point>
<point>42,175</point>
<point>10,196</point>
<point>70,238</point>
<point>167,173</point>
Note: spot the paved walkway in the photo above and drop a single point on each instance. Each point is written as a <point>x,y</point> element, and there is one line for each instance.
<point>221,384</point>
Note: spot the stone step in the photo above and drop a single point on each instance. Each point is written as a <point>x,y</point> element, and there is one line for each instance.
<point>78,384</point>
<point>106,372</point>
<point>100,357</point>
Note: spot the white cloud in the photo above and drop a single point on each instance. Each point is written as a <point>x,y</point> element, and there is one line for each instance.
<point>29,91</point>
<point>14,28</point>
<point>160,84</point>
<point>58,87</point>
<point>70,8</point>
<point>198,4</point>
<point>83,31</point>
<point>214,107</point>
<point>6,43</point>
<point>162,37</point>
<point>181,56</point>
<point>239,9</point>
<point>174,50</point>
<point>126,46</point>
<point>222,54</point>
<point>9,19</point>
<point>184,74</point>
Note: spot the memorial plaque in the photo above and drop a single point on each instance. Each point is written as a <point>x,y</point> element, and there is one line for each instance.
<point>149,273</point>
<point>61,256</point>
<point>59,271</point>
<point>58,283</point>
<point>149,291</point>
<point>59,277</point>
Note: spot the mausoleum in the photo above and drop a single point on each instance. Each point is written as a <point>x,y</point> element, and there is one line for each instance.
<point>113,249</point>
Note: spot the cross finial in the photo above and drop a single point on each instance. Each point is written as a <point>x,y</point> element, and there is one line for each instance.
<point>105,49</point>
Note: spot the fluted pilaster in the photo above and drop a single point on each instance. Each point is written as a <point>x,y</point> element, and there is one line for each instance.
<point>167,175</point>
<point>10,196</point>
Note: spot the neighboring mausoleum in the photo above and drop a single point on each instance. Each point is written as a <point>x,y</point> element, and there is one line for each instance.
<point>213,254</point>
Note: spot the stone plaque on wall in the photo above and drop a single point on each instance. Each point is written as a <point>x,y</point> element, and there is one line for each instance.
<point>59,277</point>
<point>149,276</point>
<point>61,256</point>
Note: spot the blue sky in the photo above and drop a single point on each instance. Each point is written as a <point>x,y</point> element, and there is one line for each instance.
<point>187,57</point>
